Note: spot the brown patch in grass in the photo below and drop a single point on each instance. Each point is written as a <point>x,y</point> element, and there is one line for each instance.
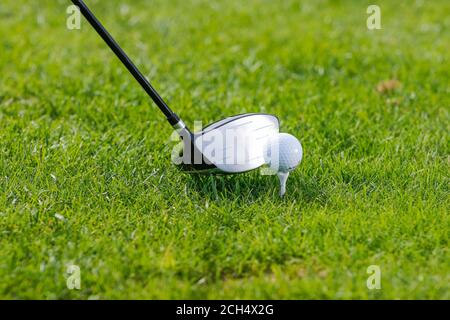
<point>388,86</point>
<point>323,273</point>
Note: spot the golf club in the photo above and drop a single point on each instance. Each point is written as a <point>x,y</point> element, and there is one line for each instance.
<point>233,145</point>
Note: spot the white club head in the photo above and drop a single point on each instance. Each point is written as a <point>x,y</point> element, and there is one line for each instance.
<point>232,145</point>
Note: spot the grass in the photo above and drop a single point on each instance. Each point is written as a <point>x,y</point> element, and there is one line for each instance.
<point>85,172</point>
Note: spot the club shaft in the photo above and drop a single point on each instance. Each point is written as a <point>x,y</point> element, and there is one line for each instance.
<point>90,17</point>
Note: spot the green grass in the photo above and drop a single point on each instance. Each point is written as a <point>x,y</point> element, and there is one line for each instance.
<point>78,138</point>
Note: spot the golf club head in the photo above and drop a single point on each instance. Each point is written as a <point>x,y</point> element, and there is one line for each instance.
<point>232,145</point>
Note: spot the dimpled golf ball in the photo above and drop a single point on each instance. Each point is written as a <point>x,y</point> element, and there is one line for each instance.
<point>283,152</point>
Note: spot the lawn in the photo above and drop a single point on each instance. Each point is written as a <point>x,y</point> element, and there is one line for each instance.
<point>86,177</point>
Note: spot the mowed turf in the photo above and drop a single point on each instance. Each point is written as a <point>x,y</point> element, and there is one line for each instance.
<point>86,177</point>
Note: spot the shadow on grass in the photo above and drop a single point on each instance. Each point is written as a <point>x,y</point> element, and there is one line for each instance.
<point>252,187</point>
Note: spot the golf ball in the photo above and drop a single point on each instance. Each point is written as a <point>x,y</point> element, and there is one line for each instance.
<point>283,152</point>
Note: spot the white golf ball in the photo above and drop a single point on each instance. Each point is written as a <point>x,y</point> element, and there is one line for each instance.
<point>283,152</point>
